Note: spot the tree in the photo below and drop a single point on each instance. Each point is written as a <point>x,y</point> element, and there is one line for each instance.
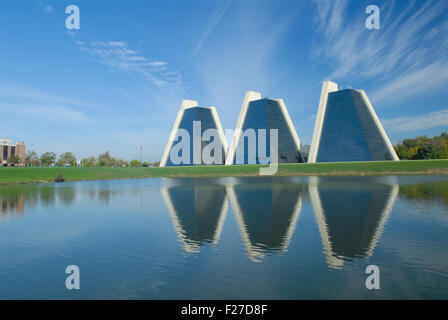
<point>13,160</point>
<point>135,163</point>
<point>88,162</point>
<point>424,148</point>
<point>66,158</point>
<point>157,163</point>
<point>105,160</point>
<point>121,163</point>
<point>31,159</point>
<point>48,158</point>
<point>426,151</point>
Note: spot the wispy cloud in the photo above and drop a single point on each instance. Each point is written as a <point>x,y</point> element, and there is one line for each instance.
<point>10,92</point>
<point>409,44</point>
<point>48,113</point>
<point>41,105</point>
<point>213,21</point>
<point>246,62</point>
<point>419,81</point>
<point>47,8</point>
<point>427,121</point>
<point>56,113</point>
<point>120,58</point>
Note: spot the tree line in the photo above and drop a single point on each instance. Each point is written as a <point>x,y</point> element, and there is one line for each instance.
<point>422,148</point>
<point>68,159</point>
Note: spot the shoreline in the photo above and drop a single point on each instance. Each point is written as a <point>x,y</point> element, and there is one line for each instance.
<point>17,176</point>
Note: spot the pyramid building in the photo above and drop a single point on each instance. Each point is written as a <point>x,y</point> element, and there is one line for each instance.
<point>263,113</point>
<point>348,129</point>
<point>195,120</point>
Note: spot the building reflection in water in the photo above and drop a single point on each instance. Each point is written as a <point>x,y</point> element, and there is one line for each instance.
<point>351,214</point>
<point>11,204</point>
<point>267,212</point>
<point>350,211</point>
<point>197,209</point>
<point>17,199</point>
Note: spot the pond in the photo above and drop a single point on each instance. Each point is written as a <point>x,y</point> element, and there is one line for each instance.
<point>226,238</point>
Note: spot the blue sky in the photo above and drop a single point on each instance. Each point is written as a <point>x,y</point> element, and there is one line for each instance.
<point>117,83</point>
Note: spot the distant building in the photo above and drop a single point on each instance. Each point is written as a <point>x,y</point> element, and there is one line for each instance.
<point>348,129</point>
<point>204,118</point>
<point>8,149</point>
<point>265,114</point>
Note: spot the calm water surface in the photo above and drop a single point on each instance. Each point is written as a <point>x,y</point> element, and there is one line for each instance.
<point>251,238</point>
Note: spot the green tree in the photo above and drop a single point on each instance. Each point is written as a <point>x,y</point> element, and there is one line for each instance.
<point>89,162</point>
<point>157,163</point>
<point>424,148</point>
<point>48,158</point>
<point>121,163</point>
<point>31,159</point>
<point>66,158</point>
<point>135,163</point>
<point>105,160</point>
<point>13,160</point>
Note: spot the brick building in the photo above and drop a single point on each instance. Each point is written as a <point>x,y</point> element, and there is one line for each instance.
<point>8,149</point>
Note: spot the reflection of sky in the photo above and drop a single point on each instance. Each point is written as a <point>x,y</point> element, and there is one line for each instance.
<point>121,235</point>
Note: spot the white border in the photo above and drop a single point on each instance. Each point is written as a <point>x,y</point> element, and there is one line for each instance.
<point>327,87</point>
<point>379,125</point>
<point>248,97</point>
<point>185,105</point>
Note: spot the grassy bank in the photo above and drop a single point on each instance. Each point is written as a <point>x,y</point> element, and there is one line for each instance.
<point>30,175</point>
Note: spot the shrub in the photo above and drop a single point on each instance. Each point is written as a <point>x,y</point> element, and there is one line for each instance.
<point>59,178</point>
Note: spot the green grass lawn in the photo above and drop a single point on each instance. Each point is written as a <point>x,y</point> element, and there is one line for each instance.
<point>30,175</point>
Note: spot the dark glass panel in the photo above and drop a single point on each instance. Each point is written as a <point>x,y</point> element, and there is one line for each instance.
<point>266,114</point>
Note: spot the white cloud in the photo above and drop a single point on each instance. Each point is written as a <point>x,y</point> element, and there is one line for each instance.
<point>119,57</point>
<point>47,8</point>
<point>52,113</point>
<point>409,44</point>
<point>213,21</point>
<point>15,92</point>
<point>243,61</point>
<point>419,81</point>
<point>427,121</point>
<point>56,113</point>
<point>157,63</point>
<point>41,105</point>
